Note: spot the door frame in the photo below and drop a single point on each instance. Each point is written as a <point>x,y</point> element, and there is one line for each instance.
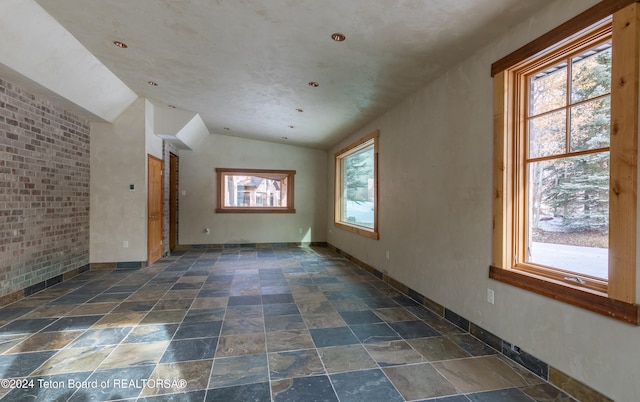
<point>174,163</point>
<point>149,199</point>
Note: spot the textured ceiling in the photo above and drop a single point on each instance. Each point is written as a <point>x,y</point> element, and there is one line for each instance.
<point>245,64</point>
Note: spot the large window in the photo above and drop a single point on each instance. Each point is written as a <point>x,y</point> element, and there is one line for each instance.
<point>254,190</point>
<point>565,164</point>
<point>356,207</point>
<point>566,134</point>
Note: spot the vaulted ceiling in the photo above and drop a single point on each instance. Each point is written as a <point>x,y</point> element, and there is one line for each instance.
<point>245,65</point>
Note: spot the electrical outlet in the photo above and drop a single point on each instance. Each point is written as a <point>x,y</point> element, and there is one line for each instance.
<point>206,231</point>
<point>491,296</point>
<point>387,254</point>
<point>125,244</point>
<point>300,230</point>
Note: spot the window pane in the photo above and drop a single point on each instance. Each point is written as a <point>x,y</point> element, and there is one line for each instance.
<point>591,73</point>
<point>547,134</point>
<point>590,123</point>
<point>254,191</point>
<point>358,188</point>
<point>548,90</point>
<point>568,214</point>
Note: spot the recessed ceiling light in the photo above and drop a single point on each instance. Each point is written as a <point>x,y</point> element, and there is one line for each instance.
<point>314,84</point>
<point>338,37</point>
<point>299,110</point>
<point>152,83</point>
<point>119,44</point>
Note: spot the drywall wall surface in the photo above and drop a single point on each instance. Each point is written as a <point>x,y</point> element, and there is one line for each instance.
<point>198,193</point>
<point>153,143</point>
<point>118,214</point>
<point>435,220</point>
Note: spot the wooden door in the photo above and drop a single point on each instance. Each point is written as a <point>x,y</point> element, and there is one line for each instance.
<point>173,201</point>
<point>154,208</point>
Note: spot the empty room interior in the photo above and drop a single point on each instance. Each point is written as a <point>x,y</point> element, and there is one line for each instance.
<point>319,201</point>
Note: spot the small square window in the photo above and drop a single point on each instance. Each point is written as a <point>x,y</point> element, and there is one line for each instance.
<point>255,191</point>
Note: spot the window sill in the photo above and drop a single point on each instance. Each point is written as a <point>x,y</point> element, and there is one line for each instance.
<point>580,297</point>
<point>255,211</point>
<point>358,230</point>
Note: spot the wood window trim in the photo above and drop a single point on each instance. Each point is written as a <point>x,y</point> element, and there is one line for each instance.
<point>576,296</point>
<point>221,208</point>
<point>338,222</point>
<point>619,300</point>
<point>576,24</point>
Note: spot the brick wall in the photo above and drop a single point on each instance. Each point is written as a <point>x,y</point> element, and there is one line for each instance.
<point>167,150</point>
<point>44,190</point>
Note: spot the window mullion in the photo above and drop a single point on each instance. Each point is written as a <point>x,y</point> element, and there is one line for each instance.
<point>568,106</point>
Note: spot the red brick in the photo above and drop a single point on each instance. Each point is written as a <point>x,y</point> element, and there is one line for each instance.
<point>44,160</point>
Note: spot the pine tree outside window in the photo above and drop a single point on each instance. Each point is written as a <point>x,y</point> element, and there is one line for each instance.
<point>356,204</point>
<point>567,163</point>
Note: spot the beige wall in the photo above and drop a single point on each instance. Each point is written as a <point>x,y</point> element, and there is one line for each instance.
<point>118,159</point>
<point>198,204</point>
<point>436,216</point>
<point>153,143</point>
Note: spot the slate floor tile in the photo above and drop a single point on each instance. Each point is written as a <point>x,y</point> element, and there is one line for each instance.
<point>338,359</point>
<point>365,385</point>
<point>180,350</point>
<point>260,392</point>
<point>280,341</point>
<point>419,381</point>
<point>241,344</point>
<point>22,364</point>
<point>45,341</point>
<point>375,333</point>
<point>26,326</point>
<point>323,337</point>
<point>239,370</point>
<point>413,329</point>
<point>317,388</point>
<point>393,353</point>
<point>502,395</point>
<point>297,363</point>
<point>472,345</point>
<point>203,329</point>
<point>360,317</point>
<point>471,375</point>
<point>438,348</point>
<point>249,323</point>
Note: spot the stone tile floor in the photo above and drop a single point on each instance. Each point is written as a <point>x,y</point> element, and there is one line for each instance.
<point>245,324</point>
